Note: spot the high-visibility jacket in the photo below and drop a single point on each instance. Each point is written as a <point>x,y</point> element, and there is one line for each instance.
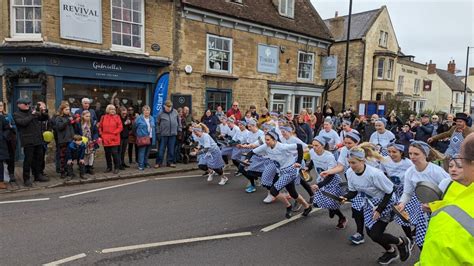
<point>450,236</point>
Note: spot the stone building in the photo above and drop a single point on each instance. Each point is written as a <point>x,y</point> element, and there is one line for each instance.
<point>411,79</point>
<point>91,48</point>
<point>265,53</point>
<point>373,55</point>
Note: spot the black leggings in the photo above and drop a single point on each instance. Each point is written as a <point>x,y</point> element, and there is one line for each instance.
<point>130,152</point>
<point>290,188</point>
<point>205,168</point>
<point>251,176</point>
<point>226,159</point>
<point>408,232</point>
<point>275,179</point>
<point>377,234</point>
<point>359,220</point>
<point>307,187</point>
<point>112,154</point>
<point>336,212</point>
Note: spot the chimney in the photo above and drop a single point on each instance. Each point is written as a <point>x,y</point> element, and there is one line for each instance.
<point>336,26</point>
<point>471,71</point>
<point>431,68</point>
<point>452,67</point>
<point>336,15</point>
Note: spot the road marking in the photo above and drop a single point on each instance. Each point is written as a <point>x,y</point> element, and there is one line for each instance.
<point>281,223</point>
<point>20,201</point>
<point>100,189</point>
<point>68,259</point>
<point>179,177</point>
<point>176,242</point>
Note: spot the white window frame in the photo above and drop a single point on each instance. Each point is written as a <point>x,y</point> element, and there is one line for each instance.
<point>303,102</point>
<point>289,11</point>
<point>391,62</point>
<point>378,68</point>
<point>401,79</point>
<point>128,49</point>
<point>25,36</point>
<point>383,39</point>
<point>231,43</point>
<point>416,87</point>
<point>311,78</point>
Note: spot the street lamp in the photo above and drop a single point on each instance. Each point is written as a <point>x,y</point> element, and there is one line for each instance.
<point>347,56</point>
<point>465,78</point>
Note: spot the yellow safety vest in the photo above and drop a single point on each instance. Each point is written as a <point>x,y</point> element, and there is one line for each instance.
<point>454,189</point>
<point>450,236</point>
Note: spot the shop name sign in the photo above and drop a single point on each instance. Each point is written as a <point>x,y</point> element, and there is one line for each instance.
<point>79,15</point>
<point>267,61</point>
<point>102,66</point>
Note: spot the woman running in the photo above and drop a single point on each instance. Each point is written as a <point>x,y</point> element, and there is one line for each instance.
<point>377,191</point>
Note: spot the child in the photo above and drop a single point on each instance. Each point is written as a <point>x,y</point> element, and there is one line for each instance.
<point>75,152</point>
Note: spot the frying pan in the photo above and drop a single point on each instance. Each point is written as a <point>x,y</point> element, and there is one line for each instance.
<point>332,196</point>
<point>306,176</point>
<point>402,214</point>
<point>428,192</point>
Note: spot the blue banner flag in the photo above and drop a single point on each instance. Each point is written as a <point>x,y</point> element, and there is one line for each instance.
<point>161,92</point>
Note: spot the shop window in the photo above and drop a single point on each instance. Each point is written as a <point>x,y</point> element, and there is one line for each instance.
<point>216,98</point>
<point>279,103</point>
<point>305,65</point>
<point>26,18</point>
<point>380,68</point>
<point>219,54</point>
<point>308,103</point>
<point>128,94</point>
<point>287,8</point>
<point>127,24</point>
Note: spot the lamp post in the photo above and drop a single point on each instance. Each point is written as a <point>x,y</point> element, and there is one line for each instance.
<point>347,56</point>
<point>465,78</point>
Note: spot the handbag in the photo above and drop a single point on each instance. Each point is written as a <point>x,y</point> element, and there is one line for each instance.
<point>143,141</point>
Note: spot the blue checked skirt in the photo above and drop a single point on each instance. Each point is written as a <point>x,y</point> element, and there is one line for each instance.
<point>417,218</point>
<point>237,153</point>
<point>257,163</point>
<point>332,187</point>
<point>358,202</point>
<point>226,150</point>
<point>386,215</point>
<point>269,173</point>
<point>201,159</point>
<point>213,159</point>
<point>287,175</point>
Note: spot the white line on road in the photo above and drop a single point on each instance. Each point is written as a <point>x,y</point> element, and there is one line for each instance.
<point>281,223</point>
<point>20,201</point>
<point>68,259</point>
<point>179,177</point>
<point>175,242</point>
<point>100,189</point>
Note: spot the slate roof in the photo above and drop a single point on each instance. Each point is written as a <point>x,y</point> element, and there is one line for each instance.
<point>306,20</point>
<point>360,24</point>
<point>453,82</point>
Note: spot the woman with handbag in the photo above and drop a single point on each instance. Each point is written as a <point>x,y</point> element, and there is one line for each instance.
<point>109,128</point>
<point>144,129</point>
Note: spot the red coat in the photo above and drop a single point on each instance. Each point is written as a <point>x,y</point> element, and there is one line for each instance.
<point>109,128</point>
<point>236,114</point>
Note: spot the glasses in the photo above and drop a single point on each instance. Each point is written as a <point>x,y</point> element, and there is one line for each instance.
<point>235,105</point>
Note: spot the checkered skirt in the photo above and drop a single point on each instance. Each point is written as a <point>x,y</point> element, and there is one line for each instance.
<point>287,175</point>
<point>417,218</point>
<point>227,150</point>
<point>237,153</point>
<point>213,159</point>
<point>386,215</point>
<point>269,173</point>
<point>257,163</point>
<point>332,187</point>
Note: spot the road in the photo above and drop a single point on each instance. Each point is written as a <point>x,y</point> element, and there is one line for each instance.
<point>82,223</point>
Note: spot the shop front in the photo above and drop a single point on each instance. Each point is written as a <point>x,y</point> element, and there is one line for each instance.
<point>294,97</point>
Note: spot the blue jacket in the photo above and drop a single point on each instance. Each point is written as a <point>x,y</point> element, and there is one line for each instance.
<point>75,152</point>
<point>211,122</point>
<point>141,128</point>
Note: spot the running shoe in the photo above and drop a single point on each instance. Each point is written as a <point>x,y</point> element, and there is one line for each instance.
<point>238,174</point>
<point>296,207</point>
<point>258,183</point>
<point>269,199</point>
<point>307,211</point>
<point>210,176</point>
<point>388,257</point>
<point>250,189</point>
<point>357,239</point>
<point>288,212</point>
<point>223,180</point>
<point>341,224</point>
<point>404,248</point>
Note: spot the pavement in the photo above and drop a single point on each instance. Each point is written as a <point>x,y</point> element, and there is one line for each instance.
<point>175,219</point>
<point>99,175</point>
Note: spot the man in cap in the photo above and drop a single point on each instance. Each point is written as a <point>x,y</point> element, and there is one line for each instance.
<point>28,122</point>
<point>424,130</point>
<point>168,126</point>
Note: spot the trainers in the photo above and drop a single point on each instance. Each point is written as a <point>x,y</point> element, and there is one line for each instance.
<point>307,211</point>
<point>28,183</point>
<point>357,239</point>
<point>173,165</point>
<point>387,258</point>
<point>210,176</point>
<point>223,180</point>
<point>341,224</point>
<point>238,174</point>
<point>288,212</point>
<point>404,248</point>
<point>269,199</point>
<point>250,189</point>
<point>258,183</point>
<point>296,207</point>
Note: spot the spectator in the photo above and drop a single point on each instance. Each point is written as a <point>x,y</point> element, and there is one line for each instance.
<point>368,128</point>
<point>28,124</point>
<point>4,156</point>
<point>46,125</point>
<point>394,123</point>
<point>188,118</point>
<point>211,122</point>
<point>110,127</point>
<point>115,101</point>
<point>312,123</point>
<point>319,119</point>
<point>144,127</point>
<point>330,135</point>
<point>219,112</point>
<point>264,117</point>
<point>132,140</point>
<point>75,152</point>
<point>64,127</point>
<point>469,119</point>
<point>248,116</point>
<point>405,136</point>
<point>168,126</point>
<point>180,138</point>
<point>127,127</point>
<point>346,128</point>
<point>98,111</point>
<point>328,110</point>
<point>456,134</point>
<point>10,137</point>
<point>302,130</point>
<point>411,120</point>
<point>436,124</point>
<point>289,116</point>
<point>253,111</point>
<point>86,128</point>
<point>304,114</point>
<point>235,112</point>
<point>424,130</point>
<point>86,103</point>
<point>381,137</point>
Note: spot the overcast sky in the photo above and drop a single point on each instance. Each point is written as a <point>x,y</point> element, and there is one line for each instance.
<point>439,30</point>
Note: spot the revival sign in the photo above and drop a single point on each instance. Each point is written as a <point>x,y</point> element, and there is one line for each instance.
<point>76,16</point>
